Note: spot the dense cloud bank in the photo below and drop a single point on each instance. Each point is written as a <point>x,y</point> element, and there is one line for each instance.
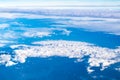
<point>105,13</point>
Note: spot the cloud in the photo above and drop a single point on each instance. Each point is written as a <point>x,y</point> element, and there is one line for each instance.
<point>103,20</point>
<point>6,60</point>
<point>72,49</point>
<point>38,13</point>
<point>36,34</point>
<point>14,15</point>
<point>44,32</point>
<point>66,32</point>
<point>5,42</point>
<point>97,55</point>
<point>1,44</point>
<point>3,26</point>
<point>108,25</point>
<point>8,35</point>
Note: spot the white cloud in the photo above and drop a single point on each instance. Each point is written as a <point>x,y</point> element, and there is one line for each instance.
<point>36,34</point>
<point>6,60</point>
<point>37,13</point>
<point>1,45</point>
<point>4,42</point>
<point>66,32</point>
<point>89,70</point>
<point>72,49</point>
<point>3,26</point>
<point>103,20</point>
<point>10,63</point>
<point>23,15</point>
<point>44,32</point>
<point>111,26</point>
<point>8,35</point>
<point>20,45</point>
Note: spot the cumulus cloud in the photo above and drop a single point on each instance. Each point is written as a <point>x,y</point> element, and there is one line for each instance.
<point>72,49</point>
<point>6,60</point>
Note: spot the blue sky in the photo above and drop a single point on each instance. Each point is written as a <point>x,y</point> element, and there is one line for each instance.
<point>57,2</point>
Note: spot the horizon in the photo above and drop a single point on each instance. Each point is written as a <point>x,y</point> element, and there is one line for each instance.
<point>62,3</point>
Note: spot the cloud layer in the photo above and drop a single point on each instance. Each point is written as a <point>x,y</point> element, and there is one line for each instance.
<point>108,20</point>
<point>72,49</point>
<point>91,21</point>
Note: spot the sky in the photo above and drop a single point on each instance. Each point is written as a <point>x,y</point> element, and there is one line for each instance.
<point>59,2</point>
